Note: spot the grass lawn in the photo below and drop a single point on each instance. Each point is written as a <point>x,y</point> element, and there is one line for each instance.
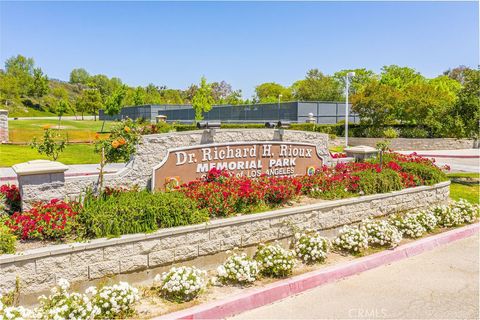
<point>73,154</point>
<point>336,149</point>
<point>23,131</point>
<point>467,192</point>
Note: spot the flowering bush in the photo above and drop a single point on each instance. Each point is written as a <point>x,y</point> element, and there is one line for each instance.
<point>17,313</point>
<point>181,284</point>
<point>457,213</point>
<point>469,212</point>
<point>61,304</point>
<point>12,198</point>
<point>115,301</point>
<point>448,216</point>
<point>352,239</point>
<point>109,302</point>
<point>238,268</point>
<point>382,233</point>
<point>121,143</point>
<point>54,220</point>
<point>427,219</point>
<point>274,261</point>
<point>224,195</point>
<point>409,225</point>
<point>310,247</point>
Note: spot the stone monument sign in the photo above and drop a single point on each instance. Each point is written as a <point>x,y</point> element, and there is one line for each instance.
<point>250,159</point>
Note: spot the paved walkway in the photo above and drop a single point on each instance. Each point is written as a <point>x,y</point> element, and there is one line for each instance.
<point>8,175</point>
<point>463,160</point>
<point>439,284</point>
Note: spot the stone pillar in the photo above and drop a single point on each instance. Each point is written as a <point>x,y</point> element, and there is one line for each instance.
<point>3,126</point>
<point>40,180</point>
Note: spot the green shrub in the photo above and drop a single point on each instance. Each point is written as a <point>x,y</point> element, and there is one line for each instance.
<point>163,127</point>
<point>243,126</point>
<point>184,127</point>
<point>303,126</point>
<point>7,239</point>
<point>372,182</point>
<point>429,174</point>
<point>413,132</point>
<point>390,133</point>
<point>135,212</point>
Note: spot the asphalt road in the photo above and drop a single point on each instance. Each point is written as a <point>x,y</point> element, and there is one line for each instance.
<point>439,284</point>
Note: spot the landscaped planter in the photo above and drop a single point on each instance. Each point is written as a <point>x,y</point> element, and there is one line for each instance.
<point>39,269</point>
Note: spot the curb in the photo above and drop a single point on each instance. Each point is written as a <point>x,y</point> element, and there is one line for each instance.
<point>448,156</point>
<point>258,297</point>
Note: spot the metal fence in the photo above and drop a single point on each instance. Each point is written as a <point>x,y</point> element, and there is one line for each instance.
<point>323,112</point>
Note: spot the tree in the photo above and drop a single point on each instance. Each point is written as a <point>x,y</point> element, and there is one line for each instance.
<point>61,108</point>
<point>459,73</point>
<point>270,91</point>
<point>376,103</point>
<point>358,82</point>
<point>89,101</point>
<point>202,100</point>
<point>79,76</point>
<point>467,106</point>
<point>113,104</point>
<point>21,68</point>
<point>400,77</point>
<point>51,145</point>
<point>9,89</point>
<point>171,96</point>
<point>318,87</point>
<point>139,96</point>
<point>39,86</point>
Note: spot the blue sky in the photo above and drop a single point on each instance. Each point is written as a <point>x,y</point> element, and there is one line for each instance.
<point>243,43</point>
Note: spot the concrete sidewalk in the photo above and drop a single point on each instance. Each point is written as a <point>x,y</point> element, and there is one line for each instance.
<point>463,160</point>
<point>439,284</point>
<point>445,153</point>
<point>8,175</point>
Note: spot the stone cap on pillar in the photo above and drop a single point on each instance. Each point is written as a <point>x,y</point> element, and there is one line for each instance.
<point>39,167</point>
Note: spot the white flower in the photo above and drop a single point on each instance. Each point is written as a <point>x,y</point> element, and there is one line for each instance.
<point>182,283</point>
<point>275,261</point>
<point>352,239</point>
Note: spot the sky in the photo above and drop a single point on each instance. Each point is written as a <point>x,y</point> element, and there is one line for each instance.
<point>243,43</point>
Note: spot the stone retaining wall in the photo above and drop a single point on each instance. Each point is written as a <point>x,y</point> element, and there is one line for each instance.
<point>154,148</point>
<point>39,269</point>
<point>411,144</point>
<point>3,126</point>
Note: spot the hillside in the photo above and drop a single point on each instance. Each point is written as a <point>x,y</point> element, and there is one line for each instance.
<point>44,106</point>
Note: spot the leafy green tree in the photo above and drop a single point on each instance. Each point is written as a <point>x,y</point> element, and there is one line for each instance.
<point>202,100</point>
<point>9,89</point>
<point>89,101</point>
<point>358,82</point>
<point>61,108</point>
<point>376,103</point>
<point>79,76</point>
<point>139,96</point>
<point>21,68</point>
<point>51,145</point>
<point>467,106</point>
<point>39,86</point>
<point>400,77</point>
<point>318,87</point>
<point>114,102</point>
<point>269,92</point>
<point>171,96</point>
